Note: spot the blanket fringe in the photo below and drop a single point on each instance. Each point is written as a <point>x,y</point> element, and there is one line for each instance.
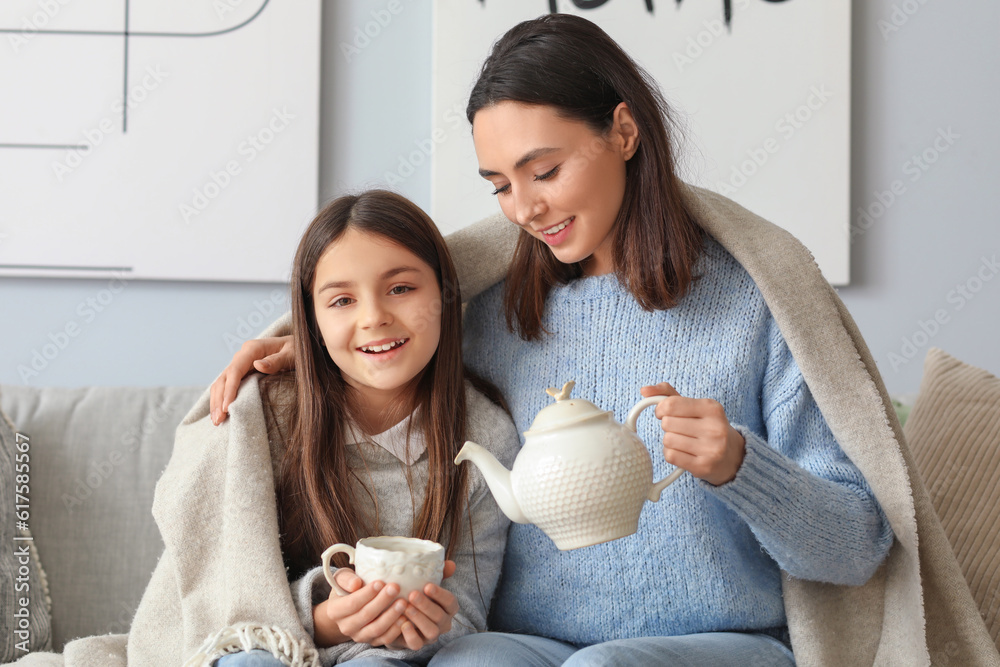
<point>248,636</point>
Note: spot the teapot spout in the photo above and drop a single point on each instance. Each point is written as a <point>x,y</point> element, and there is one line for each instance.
<point>497,478</point>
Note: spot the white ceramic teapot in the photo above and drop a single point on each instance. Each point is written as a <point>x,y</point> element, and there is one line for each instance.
<point>581,476</point>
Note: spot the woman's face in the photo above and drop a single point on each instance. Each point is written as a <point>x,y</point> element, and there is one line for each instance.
<point>557,179</point>
<point>378,307</point>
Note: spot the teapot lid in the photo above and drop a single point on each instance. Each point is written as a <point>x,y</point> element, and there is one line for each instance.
<point>565,411</point>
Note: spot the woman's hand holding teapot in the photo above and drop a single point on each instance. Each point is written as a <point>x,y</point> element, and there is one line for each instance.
<point>697,436</point>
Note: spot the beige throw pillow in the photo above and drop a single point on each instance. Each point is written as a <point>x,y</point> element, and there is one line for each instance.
<point>954,432</point>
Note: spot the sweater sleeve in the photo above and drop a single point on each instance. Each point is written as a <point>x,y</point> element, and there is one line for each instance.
<point>308,591</point>
<point>481,252</point>
<point>805,501</point>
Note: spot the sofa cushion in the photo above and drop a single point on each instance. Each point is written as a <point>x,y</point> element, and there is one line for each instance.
<point>24,596</point>
<point>954,432</point>
<point>96,456</point>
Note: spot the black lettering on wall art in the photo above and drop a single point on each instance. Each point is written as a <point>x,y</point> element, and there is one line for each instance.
<point>727,6</point>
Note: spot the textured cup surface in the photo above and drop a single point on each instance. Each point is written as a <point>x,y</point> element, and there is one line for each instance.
<point>406,561</point>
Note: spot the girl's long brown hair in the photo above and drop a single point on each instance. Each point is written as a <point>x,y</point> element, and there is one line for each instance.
<point>570,64</point>
<point>316,501</point>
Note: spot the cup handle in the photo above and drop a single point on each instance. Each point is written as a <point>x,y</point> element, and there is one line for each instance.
<point>633,416</point>
<point>328,573</point>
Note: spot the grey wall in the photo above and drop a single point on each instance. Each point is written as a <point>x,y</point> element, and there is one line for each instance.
<point>937,72</point>
<point>931,68</point>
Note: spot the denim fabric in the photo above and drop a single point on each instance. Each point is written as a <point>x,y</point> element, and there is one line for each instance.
<point>255,658</point>
<point>261,658</point>
<point>719,649</point>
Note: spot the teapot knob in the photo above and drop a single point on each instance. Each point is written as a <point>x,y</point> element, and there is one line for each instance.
<point>561,394</point>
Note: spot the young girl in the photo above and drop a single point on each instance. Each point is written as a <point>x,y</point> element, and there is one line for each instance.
<point>380,404</point>
<point>624,277</point>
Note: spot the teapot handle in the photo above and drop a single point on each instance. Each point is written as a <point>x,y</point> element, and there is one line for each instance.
<point>633,416</point>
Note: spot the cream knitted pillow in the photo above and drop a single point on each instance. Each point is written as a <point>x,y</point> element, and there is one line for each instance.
<point>954,432</point>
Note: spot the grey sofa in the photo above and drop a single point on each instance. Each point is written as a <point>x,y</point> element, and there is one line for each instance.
<point>96,454</point>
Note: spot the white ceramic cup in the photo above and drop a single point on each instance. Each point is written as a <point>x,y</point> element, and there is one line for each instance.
<point>407,562</point>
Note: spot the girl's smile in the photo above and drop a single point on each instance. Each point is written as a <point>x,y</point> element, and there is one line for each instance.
<point>385,349</point>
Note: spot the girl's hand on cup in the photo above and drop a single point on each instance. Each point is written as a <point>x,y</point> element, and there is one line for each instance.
<point>267,355</point>
<point>372,614</point>
<point>428,616</point>
<point>697,436</point>
<point>367,615</point>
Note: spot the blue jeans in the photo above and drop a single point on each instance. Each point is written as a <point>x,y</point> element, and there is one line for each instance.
<point>255,658</point>
<point>261,658</point>
<point>718,649</point>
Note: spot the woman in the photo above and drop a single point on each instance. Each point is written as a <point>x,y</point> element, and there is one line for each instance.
<point>615,283</point>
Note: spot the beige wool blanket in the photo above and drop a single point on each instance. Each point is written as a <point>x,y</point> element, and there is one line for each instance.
<point>220,584</point>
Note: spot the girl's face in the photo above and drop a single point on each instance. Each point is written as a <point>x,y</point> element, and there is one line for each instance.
<point>557,179</point>
<point>378,307</point>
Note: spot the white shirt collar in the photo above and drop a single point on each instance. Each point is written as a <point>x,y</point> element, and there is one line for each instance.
<point>393,440</point>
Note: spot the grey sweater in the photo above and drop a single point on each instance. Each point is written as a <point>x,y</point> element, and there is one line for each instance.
<point>399,501</point>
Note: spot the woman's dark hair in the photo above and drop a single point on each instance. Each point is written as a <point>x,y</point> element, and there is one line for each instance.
<point>316,499</point>
<point>568,63</point>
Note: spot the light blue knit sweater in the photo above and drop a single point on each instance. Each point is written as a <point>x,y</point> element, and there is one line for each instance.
<point>705,558</point>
